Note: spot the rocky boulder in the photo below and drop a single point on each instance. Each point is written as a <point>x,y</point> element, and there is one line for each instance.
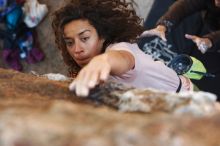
<point>35,111</point>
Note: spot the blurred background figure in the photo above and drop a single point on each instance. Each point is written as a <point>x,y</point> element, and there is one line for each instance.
<point>186,27</point>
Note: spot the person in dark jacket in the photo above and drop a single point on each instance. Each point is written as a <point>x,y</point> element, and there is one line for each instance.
<point>206,39</point>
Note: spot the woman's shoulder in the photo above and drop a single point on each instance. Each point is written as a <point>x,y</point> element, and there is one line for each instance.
<point>122,45</point>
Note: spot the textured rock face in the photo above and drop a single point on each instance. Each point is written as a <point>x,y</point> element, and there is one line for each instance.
<point>35,111</point>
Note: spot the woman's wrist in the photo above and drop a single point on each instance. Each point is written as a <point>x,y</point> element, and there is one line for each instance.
<point>161,28</point>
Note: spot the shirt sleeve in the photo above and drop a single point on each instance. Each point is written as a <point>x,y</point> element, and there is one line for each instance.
<point>214,37</point>
<point>180,10</point>
<point>123,46</point>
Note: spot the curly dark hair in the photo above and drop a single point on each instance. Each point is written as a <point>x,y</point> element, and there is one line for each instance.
<point>114,20</point>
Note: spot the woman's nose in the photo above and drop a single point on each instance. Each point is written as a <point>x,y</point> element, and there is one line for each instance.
<point>78,47</point>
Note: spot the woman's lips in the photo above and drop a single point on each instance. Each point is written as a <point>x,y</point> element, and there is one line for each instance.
<point>82,61</point>
<point>80,57</point>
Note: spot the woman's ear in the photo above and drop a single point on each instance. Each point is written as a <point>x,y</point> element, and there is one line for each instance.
<point>102,40</point>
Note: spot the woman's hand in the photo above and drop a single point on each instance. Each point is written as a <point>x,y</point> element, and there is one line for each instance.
<point>203,44</point>
<point>159,31</point>
<point>99,69</point>
<point>92,74</point>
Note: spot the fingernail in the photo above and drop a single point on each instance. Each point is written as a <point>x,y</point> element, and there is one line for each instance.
<point>72,86</point>
<point>92,84</point>
<point>104,77</point>
<point>84,92</point>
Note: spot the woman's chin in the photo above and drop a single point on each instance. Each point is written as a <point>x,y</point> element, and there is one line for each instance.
<point>82,62</point>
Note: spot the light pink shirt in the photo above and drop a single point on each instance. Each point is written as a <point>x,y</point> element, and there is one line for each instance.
<point>148,73</point>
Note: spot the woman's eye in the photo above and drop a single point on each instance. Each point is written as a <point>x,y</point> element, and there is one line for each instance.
<point>69,44</point>
<point>84,39</point>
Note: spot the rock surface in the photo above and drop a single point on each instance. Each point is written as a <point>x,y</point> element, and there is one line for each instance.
<point>35,111</point>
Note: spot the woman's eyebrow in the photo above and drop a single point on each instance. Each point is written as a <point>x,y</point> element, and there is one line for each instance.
<point>81,33</point>
<point>84,31</point>
<point>66,38</point>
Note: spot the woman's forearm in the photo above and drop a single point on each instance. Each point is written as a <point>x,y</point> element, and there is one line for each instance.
<point>120,61</point>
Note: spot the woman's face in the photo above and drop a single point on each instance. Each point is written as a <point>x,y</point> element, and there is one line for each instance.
<point>82,41</point>
<point>217,3</point>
